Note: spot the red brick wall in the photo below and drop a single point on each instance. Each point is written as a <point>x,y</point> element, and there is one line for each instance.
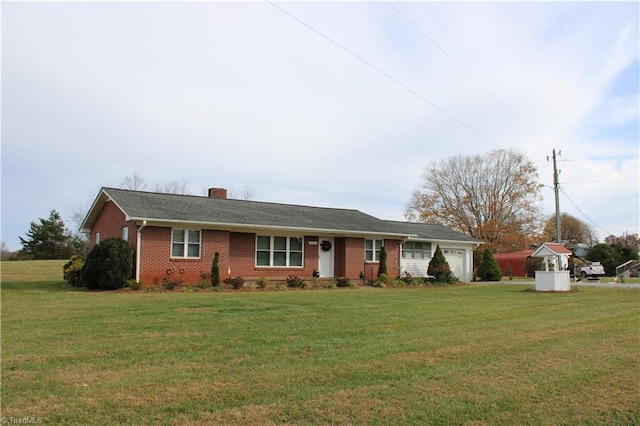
<point>350,259</point>
<point>110,223</point>
<point>156,261</point>
<point>392,247</point>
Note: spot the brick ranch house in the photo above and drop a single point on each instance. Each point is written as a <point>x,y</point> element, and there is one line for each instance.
<point>179,234</point>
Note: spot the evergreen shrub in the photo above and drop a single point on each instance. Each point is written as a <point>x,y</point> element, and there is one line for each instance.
<point>489,270</point>
<point>109,265</point>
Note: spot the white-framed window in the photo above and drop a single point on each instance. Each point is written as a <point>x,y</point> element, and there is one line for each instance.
<point>185,243</point>
<point>125,233</point>
<point>279,251</point>
<point>372,250</point>
<point>416,250</point>
<point>97,238</point>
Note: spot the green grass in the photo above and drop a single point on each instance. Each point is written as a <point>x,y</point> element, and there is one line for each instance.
<point>489,354</point>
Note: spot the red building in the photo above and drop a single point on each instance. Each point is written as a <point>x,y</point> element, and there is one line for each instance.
<point>513,264</point>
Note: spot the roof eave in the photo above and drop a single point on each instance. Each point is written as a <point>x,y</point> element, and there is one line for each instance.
<point>255,227</point>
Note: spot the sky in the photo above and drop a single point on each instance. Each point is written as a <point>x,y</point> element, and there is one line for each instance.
<point>330,104</point>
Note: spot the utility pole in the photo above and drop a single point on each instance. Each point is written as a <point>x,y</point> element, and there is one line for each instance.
<point>556,188</point>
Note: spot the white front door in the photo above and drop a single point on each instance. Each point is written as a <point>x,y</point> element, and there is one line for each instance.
<point>325,258</point>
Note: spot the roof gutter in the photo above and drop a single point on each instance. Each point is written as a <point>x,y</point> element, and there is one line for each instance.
<point>138,245</point>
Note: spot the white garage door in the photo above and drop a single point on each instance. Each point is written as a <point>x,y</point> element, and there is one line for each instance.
<point>455,258</point>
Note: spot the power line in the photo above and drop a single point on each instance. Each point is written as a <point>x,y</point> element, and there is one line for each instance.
<point>384,73</point>
<point>485,88</point>
<point>583,214</point>
<point>603,174</point>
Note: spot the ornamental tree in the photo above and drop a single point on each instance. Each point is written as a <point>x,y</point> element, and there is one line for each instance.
<point>215,270</point>
<point>382,265</point>
<point>439,267</point>
<point>489,270</point>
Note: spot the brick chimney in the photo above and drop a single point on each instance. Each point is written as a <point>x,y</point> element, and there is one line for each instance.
<point>218,193</point>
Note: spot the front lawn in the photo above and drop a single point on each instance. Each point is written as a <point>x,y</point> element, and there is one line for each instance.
<point>474,354</point>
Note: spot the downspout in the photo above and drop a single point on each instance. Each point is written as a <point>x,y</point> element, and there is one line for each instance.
<point>138,245</point>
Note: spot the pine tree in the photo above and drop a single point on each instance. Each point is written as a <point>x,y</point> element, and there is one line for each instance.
<point>489,270</point>
<point>215,270</point>
<point>439,267</point>
<point>47,239</point>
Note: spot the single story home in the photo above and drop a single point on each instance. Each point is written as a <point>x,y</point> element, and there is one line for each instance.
<point>179,234</point>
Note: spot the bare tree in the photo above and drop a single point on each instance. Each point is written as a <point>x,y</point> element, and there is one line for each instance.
<point>5,253</point>
<point>134,181</point>
<point>572,229</point>
<point>173,187</point>
<point>491,197</point>
<point>626,239</point>
<point>245,193</point>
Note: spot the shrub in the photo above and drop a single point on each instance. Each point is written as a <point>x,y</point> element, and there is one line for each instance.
<point>171,283</point>
<point>416,281</point>
<point>109,265</point>
<point>382,280</point>
<point>439,267</point>
<point>330,285</point>
<point>261,282</point>
<point>489,270</point>
<point>315,282</point>
<point>294,281</point>
<point>134,285</point>
<point>236,282</point>
<point>344,282</point>
<point>203,283</point>
<point>215,270</point>
<point>72,271</point>
<point>406,277</point>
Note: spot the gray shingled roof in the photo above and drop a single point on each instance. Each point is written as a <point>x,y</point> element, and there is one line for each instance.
<point>430,231</point>
<point>159,207</point>
<point>199,209</point>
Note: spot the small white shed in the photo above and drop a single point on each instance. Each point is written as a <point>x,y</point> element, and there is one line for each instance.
<point>555,276</point>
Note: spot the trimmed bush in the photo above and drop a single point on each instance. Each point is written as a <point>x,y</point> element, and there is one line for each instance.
<point>489,270</point>
<point>109,265</point>
<point>72,271</point>
<point>439,267</point>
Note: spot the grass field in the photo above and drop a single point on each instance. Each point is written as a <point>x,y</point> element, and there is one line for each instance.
<point>472,354</point>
